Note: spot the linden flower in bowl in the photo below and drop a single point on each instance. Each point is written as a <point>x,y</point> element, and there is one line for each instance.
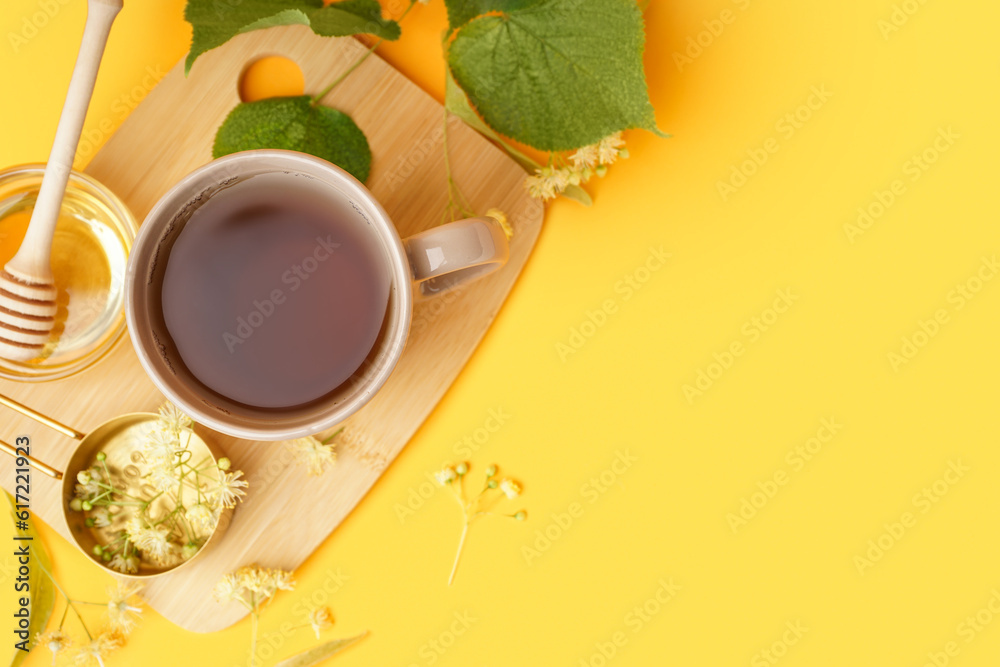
<point>157,507</point>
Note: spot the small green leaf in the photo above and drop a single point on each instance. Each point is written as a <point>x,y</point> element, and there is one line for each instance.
<point>293,123</point>
<point>461,12</point>
<point>354,17</point>
<point>320,653</point>
<point>577,194</point>
<point>557,75</point>
<point>215,22</point>
<point>42,592</point>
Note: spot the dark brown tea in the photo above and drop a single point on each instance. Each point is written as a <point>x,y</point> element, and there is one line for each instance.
<point>275,291</point>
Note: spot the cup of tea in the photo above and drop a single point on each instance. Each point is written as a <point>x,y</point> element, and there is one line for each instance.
<point>269,295</point>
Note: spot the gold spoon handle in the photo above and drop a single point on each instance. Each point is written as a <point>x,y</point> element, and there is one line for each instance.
<point>33,462</point>
<point>40,418</point>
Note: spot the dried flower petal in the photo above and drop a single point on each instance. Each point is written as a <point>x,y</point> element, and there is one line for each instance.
<point>585,157</point>
<point>510,488</point>
<point>230,489</point>
<point>94,653</point>
<point>102,517</point>
<point>124,564</point>
<point>123,612</point>
<point>173,419</point>
<point>227,589</point>
<point>609,147</point>
<point>56,641</point>
<point>252,582</point>
<point>446,476</point>
<point>202,517</point>
<point>313,453</point>
<point>153,542</point>
<point>501,218</point>
<point>320,619</point>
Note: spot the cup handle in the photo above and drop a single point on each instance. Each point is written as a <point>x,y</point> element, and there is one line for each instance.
<point>449,256</point>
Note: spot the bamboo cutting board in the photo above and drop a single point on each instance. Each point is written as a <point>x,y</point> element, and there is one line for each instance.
<point>169,135</point>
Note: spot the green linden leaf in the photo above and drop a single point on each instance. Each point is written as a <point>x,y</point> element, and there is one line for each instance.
<point>457,102</point>
<point>354,17</point>
<point>317,655</point>
<point>42,591</point>
<point>557,75</point>
<point>215,22</point>
<point>461,12</point>
<point>293,123</point>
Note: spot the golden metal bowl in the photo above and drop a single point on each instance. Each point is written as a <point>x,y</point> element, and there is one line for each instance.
<point>120,440</point>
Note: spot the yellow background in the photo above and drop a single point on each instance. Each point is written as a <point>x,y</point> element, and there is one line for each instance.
<point>665,516</point>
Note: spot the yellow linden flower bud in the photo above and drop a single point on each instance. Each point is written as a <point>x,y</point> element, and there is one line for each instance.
<point>501,217</point>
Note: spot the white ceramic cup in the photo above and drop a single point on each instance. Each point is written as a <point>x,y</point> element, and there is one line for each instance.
<point>423,265</point>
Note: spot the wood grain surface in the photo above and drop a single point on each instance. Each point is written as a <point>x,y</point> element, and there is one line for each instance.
<point>288,514</point>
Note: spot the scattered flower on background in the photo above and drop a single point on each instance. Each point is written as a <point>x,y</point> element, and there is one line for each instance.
<point>56,641</point>
<point>550,181</point>
<point>320,619</point>
<point>494,490</point>
<point>252,586</point>
<point>123,614</point>
<point>123,607</point>
<point>94,652</point>
<point>446,476</point>
<point>169,525</point>
<point>315,454</point>
<point>510,488</point>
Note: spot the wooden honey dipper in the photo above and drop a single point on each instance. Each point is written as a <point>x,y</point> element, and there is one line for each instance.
<point>27,289</point>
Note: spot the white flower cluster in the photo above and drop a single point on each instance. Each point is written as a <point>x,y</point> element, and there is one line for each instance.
<point>170,524</point>
<point>549,182</point>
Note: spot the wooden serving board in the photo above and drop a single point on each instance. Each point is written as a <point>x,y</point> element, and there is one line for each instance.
<point>169,135</point>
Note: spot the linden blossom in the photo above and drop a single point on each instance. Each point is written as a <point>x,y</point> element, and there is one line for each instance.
<point>295,276</point>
